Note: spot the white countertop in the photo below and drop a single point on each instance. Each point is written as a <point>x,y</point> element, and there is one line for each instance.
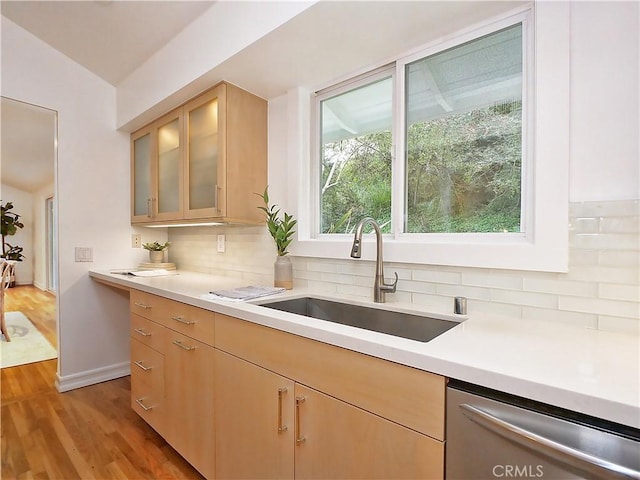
<point>589,371</point>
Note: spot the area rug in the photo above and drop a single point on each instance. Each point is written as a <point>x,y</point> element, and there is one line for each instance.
<point>27,344</point>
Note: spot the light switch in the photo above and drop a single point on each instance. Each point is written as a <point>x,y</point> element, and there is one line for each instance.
<point>221,243</point>
<point>84,254</point>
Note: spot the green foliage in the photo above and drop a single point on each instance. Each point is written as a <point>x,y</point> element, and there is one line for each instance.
<point>9,225</point>
<point>356,181</point>
<point>14,253</point>
<point>463,174</point>
<point>281,229</point>
<point>155,246</point>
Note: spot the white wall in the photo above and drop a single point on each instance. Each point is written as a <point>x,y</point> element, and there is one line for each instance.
<point>92,192</point>
<point>187,63</point>
<point>23,206</point>
<point>604,101</point>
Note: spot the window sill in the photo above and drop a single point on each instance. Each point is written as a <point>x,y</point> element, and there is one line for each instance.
<point>505,252</point>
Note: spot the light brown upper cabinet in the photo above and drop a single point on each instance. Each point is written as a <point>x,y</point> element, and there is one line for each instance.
<point>202,162</point>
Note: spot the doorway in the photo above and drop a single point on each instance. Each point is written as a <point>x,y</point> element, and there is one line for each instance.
<point>28,159</point>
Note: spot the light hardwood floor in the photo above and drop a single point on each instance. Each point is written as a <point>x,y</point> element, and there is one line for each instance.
<point>37,305</point>
<point>87,433</point>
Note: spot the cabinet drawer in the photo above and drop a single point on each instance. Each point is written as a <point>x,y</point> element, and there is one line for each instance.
<point>147,384</point>
<point>405,395</point>
<point>147,332</point>
<point>189,320</point>
<point>143,304</point>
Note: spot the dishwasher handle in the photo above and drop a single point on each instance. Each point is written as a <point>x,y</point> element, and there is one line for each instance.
<point>551,448</point>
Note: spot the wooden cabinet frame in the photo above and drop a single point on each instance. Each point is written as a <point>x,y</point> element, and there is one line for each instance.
<point>241,160</point>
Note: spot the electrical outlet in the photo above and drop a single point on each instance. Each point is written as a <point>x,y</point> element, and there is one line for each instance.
<point>221,243</point>
<point>136,240</point>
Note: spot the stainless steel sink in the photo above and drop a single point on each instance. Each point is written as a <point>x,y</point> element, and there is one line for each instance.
<point>414,327</point>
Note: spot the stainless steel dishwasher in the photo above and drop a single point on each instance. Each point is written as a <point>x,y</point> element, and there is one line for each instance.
<point>491,435</point>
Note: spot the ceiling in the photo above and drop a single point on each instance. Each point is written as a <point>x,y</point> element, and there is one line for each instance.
<point>109,38</point>
<point>27,153</point>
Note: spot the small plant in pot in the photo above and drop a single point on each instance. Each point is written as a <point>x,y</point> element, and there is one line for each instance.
<point>281,230</point>
<point>156,251</point>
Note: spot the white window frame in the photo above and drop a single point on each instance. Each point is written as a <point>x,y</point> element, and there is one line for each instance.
<point>544,244</point>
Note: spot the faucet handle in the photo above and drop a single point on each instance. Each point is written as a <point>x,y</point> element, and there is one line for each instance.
<point>390,287</point>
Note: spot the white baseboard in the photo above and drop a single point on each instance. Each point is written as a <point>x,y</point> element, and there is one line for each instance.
<point>91,377</point>
<point>40,286</point>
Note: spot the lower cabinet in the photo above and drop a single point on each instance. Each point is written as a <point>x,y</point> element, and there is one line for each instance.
<point>303,409</point>
<point>255,402</point>
<point>189,388</point>
<point>255,423</point>
<point>172,375</point>
<point>337,440</point>
<point>147,384</point>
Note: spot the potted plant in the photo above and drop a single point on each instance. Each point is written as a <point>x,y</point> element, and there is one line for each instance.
<point>281,230</point>
<point>9,225</point>
<point>156,251</point>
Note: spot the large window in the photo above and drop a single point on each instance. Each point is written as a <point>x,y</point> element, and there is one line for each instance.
<point>459,149</point>
<point>461,134</point>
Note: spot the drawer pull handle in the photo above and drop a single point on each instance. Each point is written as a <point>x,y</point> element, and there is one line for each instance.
<point>180,318</point>
<point>142,332</point>
<point>140,401</point>
<point>142,305</point>
<point>299,438</point>
<point>142,366</point>
<point>183,346</point>
<point>281,428</point>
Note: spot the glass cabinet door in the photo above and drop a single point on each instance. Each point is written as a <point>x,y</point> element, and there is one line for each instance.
<point>204,195</point>
<point>142,191</point>
<point>169,175</point>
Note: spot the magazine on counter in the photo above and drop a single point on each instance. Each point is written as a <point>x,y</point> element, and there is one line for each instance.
<point>244,293</point>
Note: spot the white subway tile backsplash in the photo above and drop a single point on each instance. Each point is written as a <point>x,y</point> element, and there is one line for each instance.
<point>525,298</point>
<point>604,241</point>
<point>585,225</point>
<point>599,306</point>
<point>604,274</point>
<point>620,225</point>
<point>561,287</point>
<point>436,276</point>
<point>629,293</point>
<point>463,291</point>
<point>417,287</point>
<point>433,302</point>
<point>323,287</point>
<point>601,289</point>
<point>320,266</point>
<point>619,324</point>
<point>605,209</point>
<point>618,258</point>
<point>493,308</point>
<point>583,257</point>
<point>357,268</point>
<point>494,280</point>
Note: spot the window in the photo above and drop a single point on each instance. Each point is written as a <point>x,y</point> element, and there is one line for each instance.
<point>463,142</point>
<point>460,150</point>
<point>355,159</point>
